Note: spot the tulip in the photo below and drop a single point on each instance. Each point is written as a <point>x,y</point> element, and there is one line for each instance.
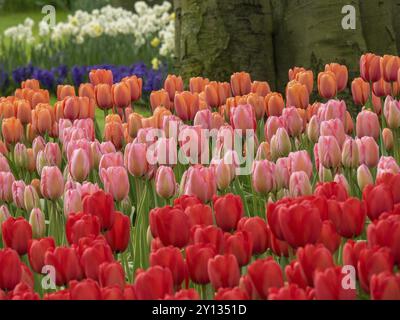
<point>364,177</point>
<point>265,274</point>
<point>381,88</point>
<point>300,161</point>
<point>135,85</point>
<point>160,98</point>
<point>17,189</point>
<point>86,90</point>
<point>370,67</point>
<point>360,91</point>
<point>171,225</point>
<point>243,118</point>
<point>313,258</point>
<point>378,199</point>
<point>280,144</point>
<point>38,223</point>
<point>165,182</point>
<point>390,67</point>
<point>350,154</point>
<point>31,84</point>
<point>184,294</point>
<point>385,286</point>
<point>198,84</point>
<point>64,91</point>
<point>368,125</point>
<point>92,255</point>
<point>153,284</point>
<point>209,235</point>
<point>388,139</point>
<point>226,294</point>
<point>12,130</point>
<point>79,165</point>
<point>341,73</point>
<point>111,274</point>
<point>87,289</point>
<point>313,129</point>
<point>114,132</point>
<point>134,124</point>
<point>369,151</point>
<point>331,190</point>
<point>10,269</point>
<point>387,165</point>
<point>293,121</point>
<point>327,84</point>
<point>299,184</point>
<point>288,293</point>
<point>36,252</point>
<point>391,111</point>
<point>4,215</point>
<point>329,152</point>
<point>121,94</point>
<point>240,245</point>
<point>297,95</point>
<point>306,78</point>
<point>116,182</point>
<point>223,271</point>
<point>329,285</point>
<point>385,233</point>
<point>101,205</point>
<point>104,98</point>
<point>172,85</point>
<point>51,183</point>
<point>228,211</point>
<point>264,178</point>
<point>224,174</point>
<point>335,128</point>
<point>99,76</point>
<point>258,232</point>
<point>119,235</point>
<point>80,225</point>
<point>170,258</point>
<point>271,127</point>
<point>199,214</point>
<point>113,159</point>
<point>351,252</point>
<point>135,159</point>
<point>16,234</point>
<point>371,262</point>
<point>200,181</point>
<point>241,83</point>
<point>329,237</point>
<point>261,88</point>
<point>197,257</point>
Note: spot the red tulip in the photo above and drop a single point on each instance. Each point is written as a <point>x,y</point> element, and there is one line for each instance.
<point>378,199</point>
<point>112,293</point>
<point>228,211</point>
<point>100,204</point>
<point>170,225</point>
<point>92,257</point>
<point>328,285</point>
<point>197,257</point>
<point>199,214</point>
<point>119,235</point>
<point>66,263</point>
<point>385,286</point>
<point>331,190</point>
<point>111,274</point>
<point>81,225</point>
<point>87,289</point>
<point>10,269</point>
<point>290,292</point>
<point>314,258</point>
<point>373,261</point>
<point>240,245</point>
<point>209,234</point>
<point>265,274</point>
<point>329,236</point>
<point>153,284</point>
<point>258,232</point>
<point>351,252</point>
<point>58,295</point>
<point>186,201</point>
<point>37,251</point>
<point>184,294</point>
<point>223,271</point>
<point>171,258</point>
<point>386,233</point>
<point>16,234</point>
<point>231,294</point>
<point>23,292</point>
<point>295,274</point>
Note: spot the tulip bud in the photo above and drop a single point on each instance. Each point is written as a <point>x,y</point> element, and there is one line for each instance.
<point>329,152</point>
<point>391,111</point>
<point>327,85</point>
<point>325,175</point>
<point>313,129</point>
<point>224,174</point>
<point>280,144</point>
<point>6,181</point>
<point>350,154</point>
<point>4,215</point>
<point>116,182</point>
<point>18,188</point>
<point>79,165</point>
<point>360,91</point>
<point>297,95</point>
<point>293,121</point>
<point>20,156</point>
<point>264,177</point>
<point>31,198</point>
<point>364,177</point>
<point>341,179</point>
<point>263,151</point>
<point>367,125</point>
<point>241,83</point>
<point>165,182</point>
<point>72,202</point>
<point>51,183</point>
<point>370,67</point>
<point>274,104</point>
<point>37,221</point>
<point>387,136</point>
<point>299,184</point>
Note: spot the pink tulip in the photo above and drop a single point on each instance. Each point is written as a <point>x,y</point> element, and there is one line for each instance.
<point>367,125</point>
<point>38,223</point>
<point>51,183</point>
<point>271,126</point>
<point>203,118</point>
<point>79,165</point>
<point>329,153</point>
<point>333,109</point>
<point>264,177</point>
<point>116,182</point>
<point>53,154</point>
<point>243,117</point>
<point>299,184</point>
<point>72,202</point>
<point>391,111</point>
<point>114,159</point>
<point>368,151</point>
<point>200,181</point>
<point>87,125</point>
<point>282,173</point>
<point>4,167</point>
<point>350,154</point>
<point>313,129</point>
<point>335,128</point>
<point>300,161</point>
<point>165,182</point>
<point>293,121</point>
<point>364,177</point>
<point>387,165</point>
<point>18,188</point>
<point>224,173</point>
<point>6,181</point>
<point>135,159</point>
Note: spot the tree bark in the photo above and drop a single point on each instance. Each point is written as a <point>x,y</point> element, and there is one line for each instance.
<point>216,37</point>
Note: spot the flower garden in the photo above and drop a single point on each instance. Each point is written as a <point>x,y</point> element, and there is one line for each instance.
<point>218,190</point>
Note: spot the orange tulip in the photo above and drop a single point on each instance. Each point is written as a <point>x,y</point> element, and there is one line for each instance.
<point>158,116</point>
<point>313,110</point>
<point>148,122</point>
<point>134,124</point>
<point>64,91</point>
<point>30,84</point>
<point>293,72</point>
<point>360,90</point>
<point>23,111</point>
<point>306,78</point>
<point>160,98</point>
<point>327,84</point>
<point>258,104</point>
<point>261,88</point>
<point>390,66</point>
<point>43,118</point>
<point>216,93</point>
<point>186,105</point>
<point>172,85</point>
<point>101,76</point>
<point>297,95</point>
<point>86,90</point>
<point>370,67</point>
<point>198,84</point>
<point>341,73</point>
<point>114,132</point>
<point>241,83</point>
<point>121,94</point>
<point>381,88</point>
<point>40,96</point>
<point>12,130</point>
<point>7,109</point>
<point>274,104</point>
<point>3,148</point>
<point>217,121</point>
<point>135,85</point>
<point>113,118</point>
<point>103,94</point>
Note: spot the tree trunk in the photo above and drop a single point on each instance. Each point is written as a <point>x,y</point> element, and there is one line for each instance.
<point>217,37</point>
